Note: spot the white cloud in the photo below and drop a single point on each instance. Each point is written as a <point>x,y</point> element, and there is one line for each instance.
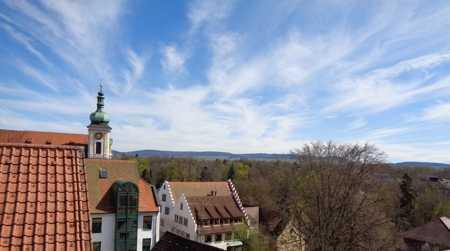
<point>357,124</point>
<point>137,65</point>
<point>81,34</point>
<point>25,41</point>
<point>379,90</point>
<point>439,112</point>
<point>37,75</point>
<point>208,12</point>
<point>173,60</point>
<point>383,133</point>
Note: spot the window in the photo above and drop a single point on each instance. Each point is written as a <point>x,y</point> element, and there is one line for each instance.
<point>132,201</point>
<point>123,236</point>
<point>164,186</point>
<point>228,236</point>
<point>176,218</point>
<point>181,206</point>
<point>166,210</point>
<point>146,244</point>
<point>120,224</point>
<point>185,221</point>
<point>188,236</point>
<point>161,222</point>
<point>163,197</point>
<point>96,225</point>
<point>123,200</point>
<point>98,147</point>
<point>218,237</point>
<point>208,238</point>
<point>97,246</point>
<point>147,224</point>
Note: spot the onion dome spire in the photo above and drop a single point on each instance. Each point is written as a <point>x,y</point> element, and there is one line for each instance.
<point>99,116</point>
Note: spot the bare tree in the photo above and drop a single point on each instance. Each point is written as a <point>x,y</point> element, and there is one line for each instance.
<point>337,204</point>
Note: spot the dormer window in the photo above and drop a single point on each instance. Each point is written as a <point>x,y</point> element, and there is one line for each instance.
<point>103,173</point>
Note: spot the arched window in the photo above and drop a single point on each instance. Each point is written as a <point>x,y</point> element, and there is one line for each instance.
<point>98,147</point>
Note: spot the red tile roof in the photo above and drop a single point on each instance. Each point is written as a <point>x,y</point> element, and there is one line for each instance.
<point>208,200</point>
<point>43,198</point>
<point>100,192</point>
<point>43,138</point>
<point>199,188</point>
<point>214,207</point>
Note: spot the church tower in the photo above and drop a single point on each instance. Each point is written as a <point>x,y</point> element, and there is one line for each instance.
<point>100,141</point>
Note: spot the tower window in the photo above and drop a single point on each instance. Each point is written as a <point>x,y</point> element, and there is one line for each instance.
<point>98,147</point>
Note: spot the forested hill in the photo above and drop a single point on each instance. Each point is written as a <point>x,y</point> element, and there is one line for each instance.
<point>249,156</point>
<point>206,155</point>
<point>422,164</point>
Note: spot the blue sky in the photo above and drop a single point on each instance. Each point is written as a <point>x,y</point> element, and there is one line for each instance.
<point>239,76</point>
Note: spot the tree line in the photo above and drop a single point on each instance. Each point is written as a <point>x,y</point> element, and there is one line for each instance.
<point>341,197</point>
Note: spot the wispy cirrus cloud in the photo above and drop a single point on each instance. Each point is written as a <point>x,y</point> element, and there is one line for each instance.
<point>439,112</point>
<point>79,34</point>
<point>264,77</point>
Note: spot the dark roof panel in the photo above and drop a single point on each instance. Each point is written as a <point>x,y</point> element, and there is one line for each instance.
<point>172,241</point>
<point>435,232</point>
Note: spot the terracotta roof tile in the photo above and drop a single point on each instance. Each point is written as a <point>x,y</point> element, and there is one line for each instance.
<point>40,209</point>
<point>43,138</point>
<point>214,207</point>
<point>199,188</point>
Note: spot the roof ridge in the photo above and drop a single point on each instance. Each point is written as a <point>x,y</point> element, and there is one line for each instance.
<point>30,145</point>
<point>197,181</point>
<point>50,132</point>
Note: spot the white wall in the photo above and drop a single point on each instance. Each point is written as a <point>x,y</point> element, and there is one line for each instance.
<point>106,237</point>
<point>153,233</point>
<point>107,234</point>
<point>106,147</point>
<point>185,213</point>
<point>164,189</point>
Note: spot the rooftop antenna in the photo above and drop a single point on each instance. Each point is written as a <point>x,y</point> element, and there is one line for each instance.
<point>101,86</point>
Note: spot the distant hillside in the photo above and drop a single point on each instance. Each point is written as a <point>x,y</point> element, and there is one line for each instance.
<point>422,164</point>
<point>206,155</point>
<point>250,156</point>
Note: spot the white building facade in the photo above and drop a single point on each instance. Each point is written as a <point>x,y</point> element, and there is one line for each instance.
<point>207,212</point>
<point>104,226</point>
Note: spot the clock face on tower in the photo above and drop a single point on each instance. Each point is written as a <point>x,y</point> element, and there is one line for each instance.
<point>98,135</point>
